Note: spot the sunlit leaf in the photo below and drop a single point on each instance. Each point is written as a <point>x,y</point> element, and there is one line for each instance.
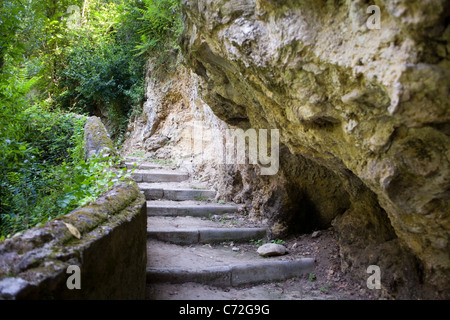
<point>73,230</point>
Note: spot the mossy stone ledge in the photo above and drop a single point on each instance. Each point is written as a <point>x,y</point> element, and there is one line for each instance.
<point>111,252</point>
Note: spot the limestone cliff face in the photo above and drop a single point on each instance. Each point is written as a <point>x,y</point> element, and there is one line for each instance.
<point>173,117</point>
<point>363,116</point>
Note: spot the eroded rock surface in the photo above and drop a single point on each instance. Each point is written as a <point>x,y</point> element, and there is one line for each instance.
<point>363,116</point>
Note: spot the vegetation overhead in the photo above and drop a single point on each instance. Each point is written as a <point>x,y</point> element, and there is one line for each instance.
<point>61,61</point>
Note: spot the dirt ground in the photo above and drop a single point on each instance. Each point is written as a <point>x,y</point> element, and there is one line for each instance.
<point>327,282</point>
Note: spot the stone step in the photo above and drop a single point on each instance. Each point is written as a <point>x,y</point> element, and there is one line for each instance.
<point>175,192</point>
<point>189,208</point>
<point>228,220</point>
<point>205,235</point>
<point>145,164</point>
<point>219,265</point>
<point>142,166</point>
<point>234,275</point>
<point>158,175</point>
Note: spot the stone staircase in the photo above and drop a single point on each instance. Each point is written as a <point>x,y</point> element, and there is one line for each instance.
<point>191,238</point>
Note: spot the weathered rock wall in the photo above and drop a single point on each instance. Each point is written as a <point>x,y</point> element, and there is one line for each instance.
<point>177,125</point>
<point>111,252</point>
<point>363,113</point>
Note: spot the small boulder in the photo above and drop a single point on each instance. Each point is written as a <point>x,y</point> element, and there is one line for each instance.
<point>272,249</point>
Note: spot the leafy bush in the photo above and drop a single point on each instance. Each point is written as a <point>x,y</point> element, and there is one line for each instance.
<point>101,75</point>
<point>161,26</point>
<point>42,185</point>
<point>102,79</point>
<point>41,193</point>
<point>33,144</point>
<point>88,180</point>
<point>43,172</point>
<point>95,67</point>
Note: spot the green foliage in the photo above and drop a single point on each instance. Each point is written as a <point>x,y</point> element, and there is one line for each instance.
<point>41,29</point>
<point>278,241</point>
<point>324,289</point>
<point>88,180</point>
<point>261,242</point>
<point>52,65</point>
<point>32,144</point>
<point>258,242</point>
<point>102,78</point>
<point>43,172</point>
<point>101,75</point>
<point>10,45</point>
<point>92,63</point>
<point>40,193</point>
<point>161,26</point>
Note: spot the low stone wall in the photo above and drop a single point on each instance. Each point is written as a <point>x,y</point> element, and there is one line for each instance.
<point>109,250</point>
<point>97,138</point>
